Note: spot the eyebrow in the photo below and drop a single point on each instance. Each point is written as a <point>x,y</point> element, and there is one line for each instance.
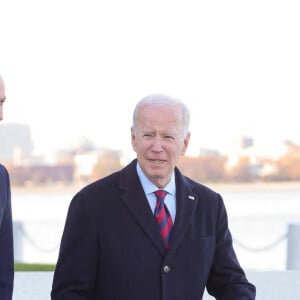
<point>2,99</point>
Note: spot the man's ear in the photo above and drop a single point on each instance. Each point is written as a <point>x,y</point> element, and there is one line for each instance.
<point>133,137</point>
<point>185,143</point>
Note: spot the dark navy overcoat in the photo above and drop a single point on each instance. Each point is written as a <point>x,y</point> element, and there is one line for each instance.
<point>6,238</point>
<point>111,247</point>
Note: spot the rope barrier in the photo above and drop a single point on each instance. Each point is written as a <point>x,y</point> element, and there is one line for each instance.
<point>34,244</point>
<point>261,249</point>
<point>235,241</point>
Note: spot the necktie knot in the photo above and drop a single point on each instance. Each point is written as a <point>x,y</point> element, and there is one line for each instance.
<point>160,194</point>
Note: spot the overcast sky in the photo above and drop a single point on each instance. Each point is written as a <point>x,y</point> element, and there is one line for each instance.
<point>76,68</point>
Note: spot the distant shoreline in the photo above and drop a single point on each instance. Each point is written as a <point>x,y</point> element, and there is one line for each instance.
<point>218,186</point>
<point>282,185</point>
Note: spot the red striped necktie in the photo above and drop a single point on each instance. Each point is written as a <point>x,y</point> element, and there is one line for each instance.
<point>163,217</point>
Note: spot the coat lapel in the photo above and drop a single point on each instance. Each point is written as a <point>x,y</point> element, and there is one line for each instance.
<point>186,201</point>
<point>136,201</point>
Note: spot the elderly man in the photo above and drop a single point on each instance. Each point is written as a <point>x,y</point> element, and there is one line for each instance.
<point>148,232</point>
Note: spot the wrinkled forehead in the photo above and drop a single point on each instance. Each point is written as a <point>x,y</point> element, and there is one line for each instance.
<point>163,119</point>
<point>161,113</point>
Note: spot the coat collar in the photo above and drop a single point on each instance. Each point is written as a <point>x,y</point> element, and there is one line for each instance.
<point>137,203</point>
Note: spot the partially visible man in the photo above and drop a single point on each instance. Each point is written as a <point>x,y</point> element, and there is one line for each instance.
<point>6,232</point>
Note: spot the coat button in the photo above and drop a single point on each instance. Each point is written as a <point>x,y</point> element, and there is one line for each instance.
<point>167,269</point>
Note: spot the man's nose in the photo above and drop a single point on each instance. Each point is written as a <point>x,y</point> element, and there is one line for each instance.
<point>157,144</point>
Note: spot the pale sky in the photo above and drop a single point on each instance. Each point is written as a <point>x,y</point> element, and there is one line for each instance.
<point>77,68</point>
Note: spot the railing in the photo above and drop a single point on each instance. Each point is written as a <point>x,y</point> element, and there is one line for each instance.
<point>292,236</point>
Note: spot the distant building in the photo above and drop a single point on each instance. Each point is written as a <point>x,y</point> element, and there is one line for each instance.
<point>209,152</point>
<point>245,142</point>
<point>259,154</point>
<point>15,142</point>
<point>84,164</point>
<point>41,175</point>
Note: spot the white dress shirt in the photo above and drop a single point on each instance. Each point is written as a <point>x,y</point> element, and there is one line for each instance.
<point>150,188</point>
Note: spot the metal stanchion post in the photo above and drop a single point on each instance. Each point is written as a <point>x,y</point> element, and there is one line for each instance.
<point>293,250</point>
<point>18,240</point>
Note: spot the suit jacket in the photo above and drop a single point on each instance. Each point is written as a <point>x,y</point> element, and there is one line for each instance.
<point>111,247</point>
<point>6,238</point>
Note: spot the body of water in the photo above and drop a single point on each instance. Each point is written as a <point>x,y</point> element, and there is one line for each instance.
<point>259,217</point>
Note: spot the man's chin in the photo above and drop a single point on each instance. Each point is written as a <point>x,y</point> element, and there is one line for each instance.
<point>158,179</point>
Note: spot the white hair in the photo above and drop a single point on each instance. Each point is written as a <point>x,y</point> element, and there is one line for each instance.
<point>163,100</point>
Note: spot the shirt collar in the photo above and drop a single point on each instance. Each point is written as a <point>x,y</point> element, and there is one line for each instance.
<point>149,187</point>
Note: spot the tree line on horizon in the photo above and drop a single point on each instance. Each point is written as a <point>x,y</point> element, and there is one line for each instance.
<point>212,167</point>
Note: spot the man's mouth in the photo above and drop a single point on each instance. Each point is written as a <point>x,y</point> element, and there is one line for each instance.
<point>156,161</point>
